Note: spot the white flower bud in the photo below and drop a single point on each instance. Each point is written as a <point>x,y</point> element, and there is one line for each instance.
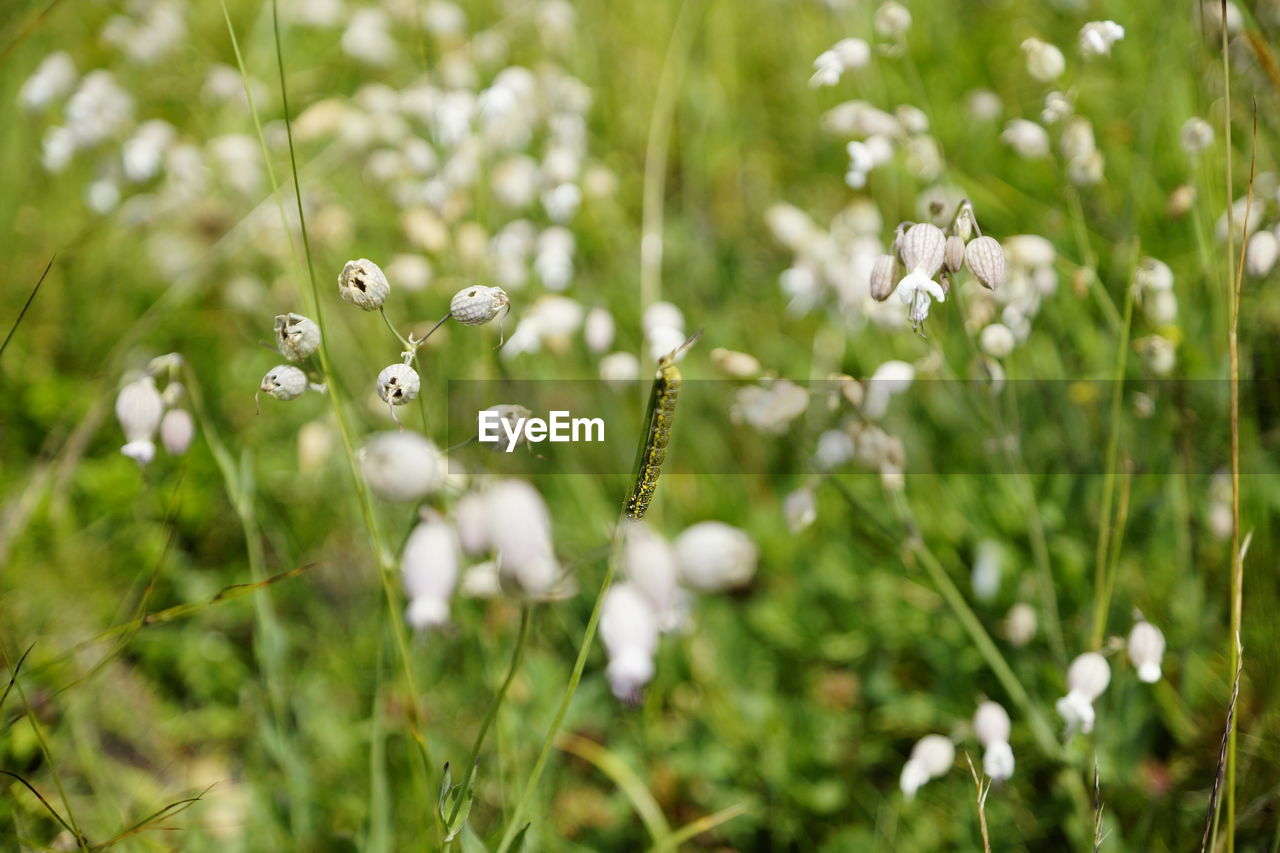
<point>139,408</point>
<point>400,466</point>
<point>931,757</point>
<point>1020,624</point>
<point>923,248</point>
<point>997,340</point>
<point>177,429</point>
<point>1027,138</point>
<point>991,725</point>
<point>739,365</point>
<point>649,563</point>
<point>284,382</point>
<point>885,274</point>
<point>470,514</point>
<point>598,330</point>
<point>362,283</point>
<point>715,557</point>
<point>1097,37</point>
<point>520,530</point>
<point>430,568</point>
<point>1077,138</point>
<point>800,508</point>
<point>892,20</point>
<point>477,305</point>
<point>1044,61</point>
<point>629,631</point>
<point>1057,106</point>
<point>953,255</point>
<point>1196,135</point>
<point>1087,677</point>
<point>1028,251</point>
<point>1261,254</point>
<point>619,367</point>
<point>296,336</point>
<point>1146,648</point>
<point>398,384</point>
<point>890,378</point>
<point>986,261</point>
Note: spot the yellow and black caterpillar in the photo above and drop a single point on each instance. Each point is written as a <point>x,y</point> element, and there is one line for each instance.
<point>658,419</point>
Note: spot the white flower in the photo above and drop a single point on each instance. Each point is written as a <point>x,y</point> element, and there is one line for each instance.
<point>715,556</point>
<point>1020,624</point>
<point>991,725</point>
<point>892,20</point>
<point>1044,61</point>
<point>922,249</point>
<point>629,631</point>
<point>835,447</point>
<point>139,408</point>
<point>986,570</point>
<point>889,379</point>
<point>1057,106</point>
<point>366,37</point>
<point>846,55</point>
<point>997,340</point>
<point>861,161</point>
<point>598,330</point>
<point>1153,276</point>
<point>800,508</point>
<point>931,757</point>
<point>1146,648</point>
<point>53,78</point>
<point>619,367</point>
<point>1261,254</point>
<point>1087,677</point>
<point>649,563</point>
<point>771,409</point>
<point>400,466</point>
<point>1026,138</point>
<point>177,429</point>
<point>520,530</point>
<point>1028,251</point>
<point>1196,135</point>
<point>430,568</point>
<point>1097,37</point>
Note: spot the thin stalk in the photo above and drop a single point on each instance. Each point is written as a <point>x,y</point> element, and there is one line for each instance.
<point>1101,596</point>
<point>513,823</point>
<point>517,653</point>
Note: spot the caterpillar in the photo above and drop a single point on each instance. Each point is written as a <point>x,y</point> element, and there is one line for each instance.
<point>658,420</point>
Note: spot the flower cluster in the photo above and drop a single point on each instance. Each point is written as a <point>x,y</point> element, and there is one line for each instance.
<point>144,410</point>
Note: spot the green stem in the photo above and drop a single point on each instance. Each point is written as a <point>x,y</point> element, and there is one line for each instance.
<point>513,825</point>
<point>516,654</point>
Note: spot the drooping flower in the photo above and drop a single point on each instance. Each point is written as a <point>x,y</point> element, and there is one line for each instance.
<point>1088,675</point>
<point>1146,648</point>
<point>931,757</point>
<point>139,408</point>
<point>991,725</point>
<point>629,631</point>
<point>429,565</point>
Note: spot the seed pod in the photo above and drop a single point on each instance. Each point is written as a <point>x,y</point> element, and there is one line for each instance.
<point>885,274</point>
<point>362,283</point>
<point>953,255</point>
<point>399,466</point>
<point>510,416</point>
<point>139,408</point>
<point>176,431</point>
<point>986,261</point>
<point>284,382</point>
<point>296,336</point>
<point>398,384</point>
<point>922,248</point>
<point>477,305</point>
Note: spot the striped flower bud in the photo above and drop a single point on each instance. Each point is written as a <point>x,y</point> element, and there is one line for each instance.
<point>430,567</point>
<point>986,261</point>
<point>953,255</point>
<point>296,336</point>
<point>885,274</point>
<point>991,725</point>
<point>477,305</point>
<point>177,429</point>
<point>923,248</point>
<point>715,556</point>
<point>931,757</point>
<point>284,382</point>
<point>1146,648</point>
<point>1088,675</point>
<point>362,283</point>
<point>629,631</point>
<point>139,408</point>
<point>400,466</point>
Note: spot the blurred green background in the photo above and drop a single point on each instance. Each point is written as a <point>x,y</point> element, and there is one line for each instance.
<point>798,697</point>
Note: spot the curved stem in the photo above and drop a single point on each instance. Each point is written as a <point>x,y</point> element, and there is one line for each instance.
<point>513,826</point>
<point>516,655</point>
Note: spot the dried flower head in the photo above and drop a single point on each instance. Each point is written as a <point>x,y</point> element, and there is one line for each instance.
<point>397,385</point>
<point>363,284</point>
<point>284,382</point>
<point>297,337</point>
<point>139,408</point>
<point>478,304</point>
